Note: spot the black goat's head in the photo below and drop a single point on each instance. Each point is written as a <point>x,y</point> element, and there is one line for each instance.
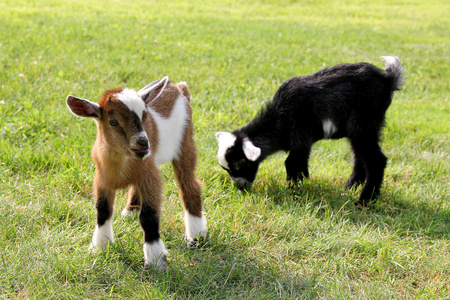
<point>239,157</point>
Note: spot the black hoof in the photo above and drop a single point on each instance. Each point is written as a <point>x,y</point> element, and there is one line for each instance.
<point>195,243</point>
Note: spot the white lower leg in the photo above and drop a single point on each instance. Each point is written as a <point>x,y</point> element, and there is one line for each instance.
<point>128,213</point>
<point>195,226</point>
<point>155,254</point>
<point>103,235</point>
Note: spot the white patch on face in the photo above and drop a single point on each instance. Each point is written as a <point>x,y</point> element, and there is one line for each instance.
<point>328,128</point>
<point>195,226</point>
<point>170,131</point>
<point>242,182</point>
<point>132,100</point>
<point>103,235</point>
<point>226,141</point>
<point>155,254</point>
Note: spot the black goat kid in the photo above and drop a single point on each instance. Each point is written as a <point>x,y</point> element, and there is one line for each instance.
<point>347,100</point>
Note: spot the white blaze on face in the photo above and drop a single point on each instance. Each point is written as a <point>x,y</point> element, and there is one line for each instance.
<point>132,100</point>
<point>226,140</point>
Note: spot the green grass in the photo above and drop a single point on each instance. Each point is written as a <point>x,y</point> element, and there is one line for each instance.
<point>271,243</point>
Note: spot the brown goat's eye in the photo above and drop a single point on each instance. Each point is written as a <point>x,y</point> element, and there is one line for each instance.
<point>113,122</point>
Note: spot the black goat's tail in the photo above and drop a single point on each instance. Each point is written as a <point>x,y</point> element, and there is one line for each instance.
<point>393,67</point>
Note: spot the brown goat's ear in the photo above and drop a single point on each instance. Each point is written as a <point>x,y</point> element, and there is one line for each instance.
<point>153,90</point>
<point>83,108</point>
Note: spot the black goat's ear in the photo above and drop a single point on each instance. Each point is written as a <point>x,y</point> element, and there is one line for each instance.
<point>83,108</point>
<point>251,151</point>
<point>153,90</point>
<point>224,135</point>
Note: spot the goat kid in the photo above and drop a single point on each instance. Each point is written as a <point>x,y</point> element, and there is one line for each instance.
<point>347,100</point>
<point>136,132</point>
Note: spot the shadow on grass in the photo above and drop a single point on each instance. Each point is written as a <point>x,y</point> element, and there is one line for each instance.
<point>407,215</point>
<point>215,270</point>
<point>220,268</point>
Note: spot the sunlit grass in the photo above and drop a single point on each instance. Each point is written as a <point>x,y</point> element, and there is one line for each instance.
<point>271,243</point>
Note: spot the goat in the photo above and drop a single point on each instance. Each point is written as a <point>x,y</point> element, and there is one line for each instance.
<point>136,132</point>
<point>347,100</point>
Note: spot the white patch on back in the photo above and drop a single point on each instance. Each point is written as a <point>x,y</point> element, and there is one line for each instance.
<point>226,140</point>
<point>155,253</point>
<point>328,128</point>
<point>103,235</point>
<point>132,100</point>
<point>170,131</point>
<point>195,226</point>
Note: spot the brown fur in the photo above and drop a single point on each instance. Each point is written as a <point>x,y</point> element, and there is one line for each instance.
<point>185,90</point>
<point>120,148</point>
<point>164,104</point>
<point>184,168</point>
<point>116,171</point>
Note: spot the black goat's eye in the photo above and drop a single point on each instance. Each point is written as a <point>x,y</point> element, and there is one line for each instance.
<point>239,164</point>
<point>113,122</point>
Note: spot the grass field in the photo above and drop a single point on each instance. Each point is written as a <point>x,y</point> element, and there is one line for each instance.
<point>270,243</point>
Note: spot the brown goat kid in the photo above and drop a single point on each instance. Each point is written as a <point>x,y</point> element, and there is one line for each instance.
<point>136,132</point>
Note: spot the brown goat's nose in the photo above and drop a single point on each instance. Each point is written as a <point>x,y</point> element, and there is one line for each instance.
<point>142,141</point>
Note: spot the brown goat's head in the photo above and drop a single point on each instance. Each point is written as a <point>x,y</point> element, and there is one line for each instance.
<point>121,116</point>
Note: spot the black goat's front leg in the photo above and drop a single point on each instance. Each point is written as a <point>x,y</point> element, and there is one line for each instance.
<point>297,164</point>
<point>375,162</point>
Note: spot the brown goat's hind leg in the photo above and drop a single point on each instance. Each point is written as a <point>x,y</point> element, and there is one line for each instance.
<point>133,204</point>
<point>190,193</point>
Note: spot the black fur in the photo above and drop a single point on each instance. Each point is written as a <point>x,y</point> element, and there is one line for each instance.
<point>354,97</point>
<point>104,209</point>
<point>150,223</point>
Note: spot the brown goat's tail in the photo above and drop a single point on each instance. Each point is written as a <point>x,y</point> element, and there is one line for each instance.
<point>185,90</point>
<point>393,67</point>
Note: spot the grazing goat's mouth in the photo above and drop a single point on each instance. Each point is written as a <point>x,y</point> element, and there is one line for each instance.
<point>242,183</point>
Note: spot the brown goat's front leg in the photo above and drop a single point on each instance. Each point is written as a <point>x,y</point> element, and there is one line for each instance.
<point>104,203</point>
<point>150,193</point>
<point>191,194</point>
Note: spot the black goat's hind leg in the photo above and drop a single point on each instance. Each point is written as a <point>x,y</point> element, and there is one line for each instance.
<point>375,163</point>
<point>358,175</point>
